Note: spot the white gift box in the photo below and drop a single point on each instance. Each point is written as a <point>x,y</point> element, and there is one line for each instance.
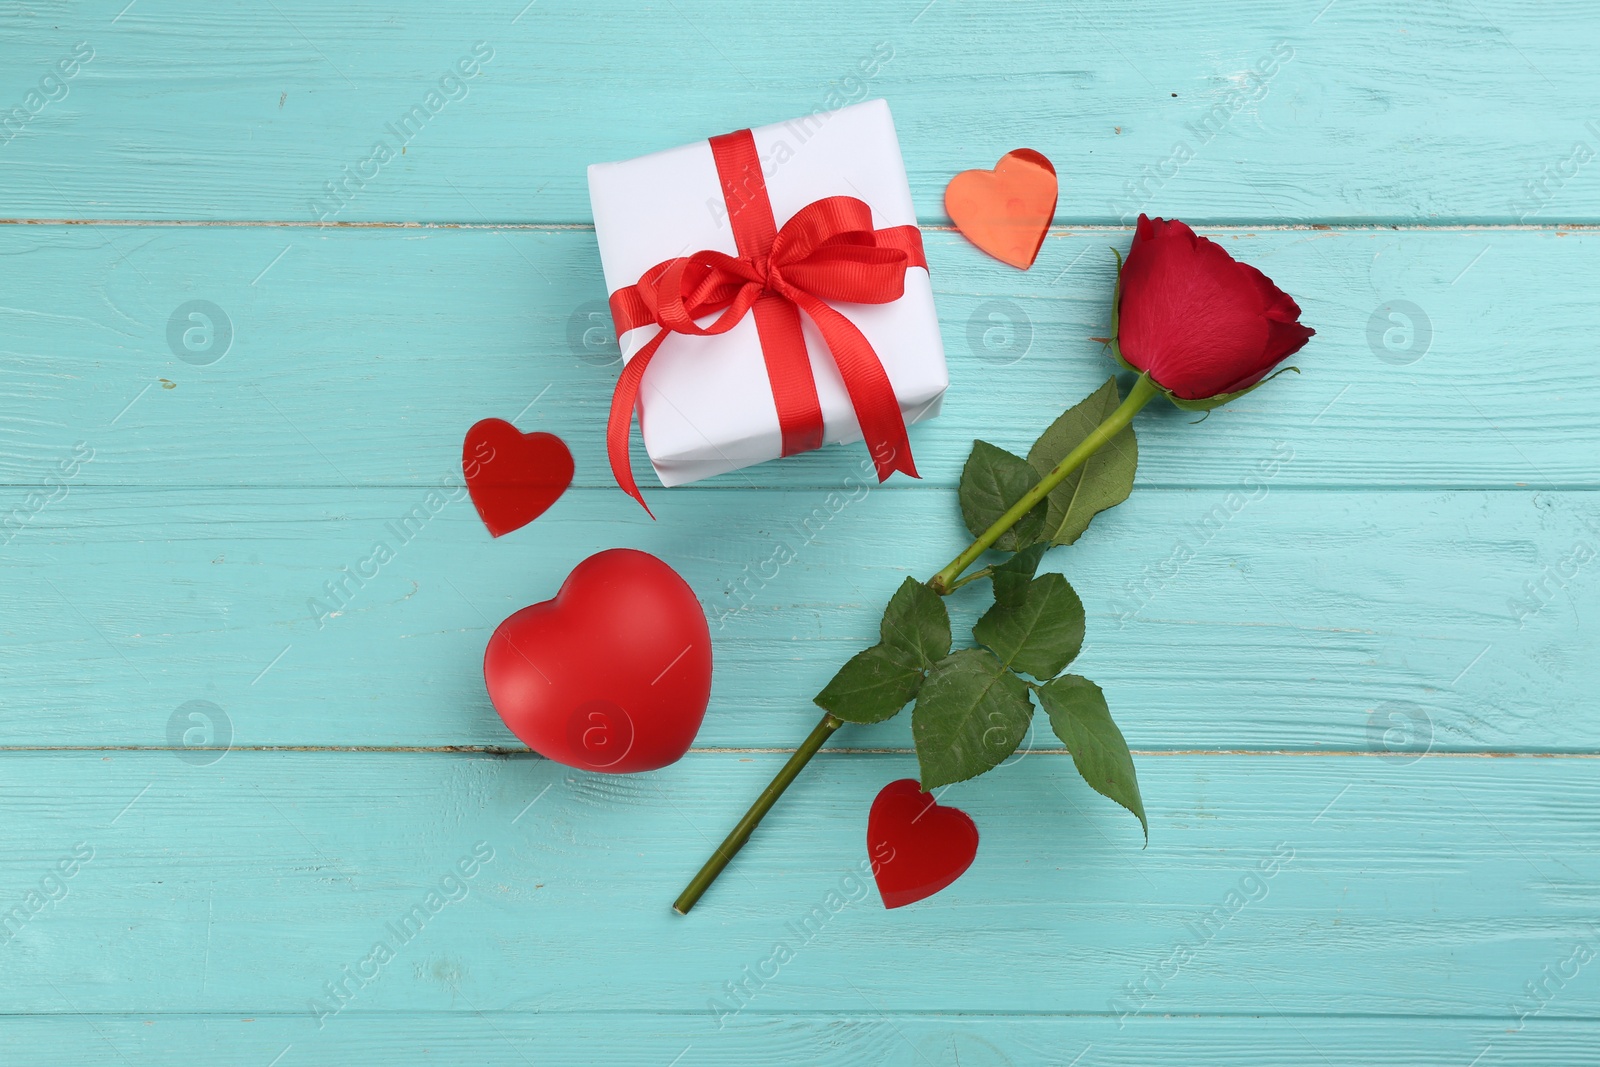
<point>705,404</point>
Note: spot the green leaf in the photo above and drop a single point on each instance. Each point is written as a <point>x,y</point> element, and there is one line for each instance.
<point>991,482</point>
<point>971,714</point>
<point>1037,630</point>
<point>1079,716</point>
<point>877,683</point>
<point>1011,577</point>
<point>916,623</point>
<point>873,686</point>
<point>1104,481</point>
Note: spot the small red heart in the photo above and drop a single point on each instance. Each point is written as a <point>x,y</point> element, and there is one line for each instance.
<point>613,674</point>
<point>917,847</point>
<point>513,476</point>
<point>1008,210</point>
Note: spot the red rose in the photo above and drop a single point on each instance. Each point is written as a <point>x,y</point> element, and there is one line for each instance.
<point>1201,323</point>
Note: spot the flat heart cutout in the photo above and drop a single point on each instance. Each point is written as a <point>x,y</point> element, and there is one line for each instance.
<point>611,675</point>
<point>1005,211</point>
<point>917,847</point>
<point>513,476</point>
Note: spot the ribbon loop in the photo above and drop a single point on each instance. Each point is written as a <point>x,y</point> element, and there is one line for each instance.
<point>828,251</point>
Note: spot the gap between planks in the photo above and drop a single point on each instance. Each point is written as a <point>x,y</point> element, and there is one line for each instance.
<point>492,750</point>
<point>1362,488</point>
<point>1057,230</point>
<point>780,1013</point>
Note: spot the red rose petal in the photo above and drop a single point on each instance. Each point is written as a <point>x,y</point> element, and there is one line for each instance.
<point>1199,321</point>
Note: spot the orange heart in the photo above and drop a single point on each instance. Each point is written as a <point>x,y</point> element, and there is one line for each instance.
<point>1005,211</point>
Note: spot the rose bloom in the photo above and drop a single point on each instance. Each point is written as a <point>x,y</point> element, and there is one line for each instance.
<point>1201,323</point>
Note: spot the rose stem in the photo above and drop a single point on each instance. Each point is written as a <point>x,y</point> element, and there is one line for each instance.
<point>1143,391</point>
<point>769,796</point>
<point>943,583</point>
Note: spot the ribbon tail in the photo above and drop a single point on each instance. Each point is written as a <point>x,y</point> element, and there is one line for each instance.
<point>871,394</point>
<point>619,425</point>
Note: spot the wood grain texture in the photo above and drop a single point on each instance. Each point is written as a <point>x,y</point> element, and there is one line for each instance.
<point>1329,885</point>
<point>1303,620</point>
<point>839,1039</point>
<point>362,357</point>
<point>1421,113</point>
<point>1363,668</point>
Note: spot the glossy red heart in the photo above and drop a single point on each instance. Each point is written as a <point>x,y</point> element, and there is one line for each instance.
<point>513,476</point>
<point>917,846</point>
<point>613,674</point>
<point>1008,210</point>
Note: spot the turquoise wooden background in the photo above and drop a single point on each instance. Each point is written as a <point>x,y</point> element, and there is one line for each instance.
<point>1373,668</point>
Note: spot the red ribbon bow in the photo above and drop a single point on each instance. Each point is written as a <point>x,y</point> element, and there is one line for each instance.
<point>827,251</point>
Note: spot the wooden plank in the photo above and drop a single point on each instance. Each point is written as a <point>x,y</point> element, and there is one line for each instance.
<point>1305,620</point>
<point>361,357</point>
<point>1259,111</point>
<point>1283,885</point>
<point>1314,663</point>
<point>843,1039</point>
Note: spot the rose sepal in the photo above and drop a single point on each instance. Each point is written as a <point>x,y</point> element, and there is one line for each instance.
<point>1209,402</point>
